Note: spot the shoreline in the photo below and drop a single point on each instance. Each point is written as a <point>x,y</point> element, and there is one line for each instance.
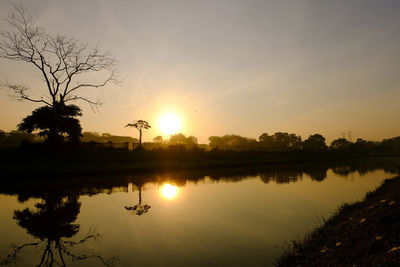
<point>21,163</point>
<point>364,233</point>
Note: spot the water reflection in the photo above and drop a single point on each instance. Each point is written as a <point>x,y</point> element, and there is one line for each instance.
<point>52,223</point>
<point>279,174</point>
<point>169,191</point>
<point>140,208</point>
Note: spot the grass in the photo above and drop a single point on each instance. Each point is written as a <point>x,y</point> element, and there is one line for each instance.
<point>365,233</point>
<point>42,161</point>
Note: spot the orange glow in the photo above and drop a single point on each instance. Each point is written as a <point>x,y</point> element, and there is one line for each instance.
<point>170,123</point>
<point>169,191</point>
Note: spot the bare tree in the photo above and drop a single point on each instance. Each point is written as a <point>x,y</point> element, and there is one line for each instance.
<point>140,125</point>
<point>61,60</point>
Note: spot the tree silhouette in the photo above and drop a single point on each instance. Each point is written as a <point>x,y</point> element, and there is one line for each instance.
<point>106,137</point>
<point>54,122</point>
<point>181,140</point>
<point>265,138</point>
<point>285,141</point>
<point>232,141</point>
<point>219,142</point>
<point>315,142</point>
<point>139,125</point>
<point>391,145</point>
<point>52,222</point>
<point>61,61</point>
<point>280,141</point>
<point>139,209</point>
<point>340,144</point>
<point>158,140</point>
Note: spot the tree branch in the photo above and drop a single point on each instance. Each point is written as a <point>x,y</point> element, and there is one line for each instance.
<point>12,257</point>
<point>58,58</point>
<point>19,91</point>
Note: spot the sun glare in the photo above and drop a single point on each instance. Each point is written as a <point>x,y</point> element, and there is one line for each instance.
<point>170,123</point>
<point>169,191</point>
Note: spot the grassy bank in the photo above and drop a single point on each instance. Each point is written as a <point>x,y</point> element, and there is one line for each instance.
<point>365,233</point>
<point>44,161</point>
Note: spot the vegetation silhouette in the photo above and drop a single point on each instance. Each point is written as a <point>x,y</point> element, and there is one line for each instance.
<point>278,142</point>
<point>111,154</point>
<point>281,141</point>
<point>340,144</point>
<point>61,196</point>
<point>140,125</point>
<point>52,222</point>
<point>231,142</point>
<point>61,61</point>
<point>181,141</point>
<point>18,138</point>
<point>106,137</point>
<point>315,142</point>
<point>281,174</point>
<point>54,122</point>
<point>158,140</point>
<point>139,209</point>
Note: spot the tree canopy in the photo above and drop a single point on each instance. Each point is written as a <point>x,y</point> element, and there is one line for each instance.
<point>54,122</point>
<point>280,141</point>
<point>315,142</point>
<point>62,61</point>
<point>140,125</point>
<point>64,64</point>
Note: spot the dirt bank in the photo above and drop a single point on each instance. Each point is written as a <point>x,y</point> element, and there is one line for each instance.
<point>365,233</point>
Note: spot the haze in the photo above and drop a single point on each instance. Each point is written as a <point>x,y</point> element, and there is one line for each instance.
<point>242,67</point>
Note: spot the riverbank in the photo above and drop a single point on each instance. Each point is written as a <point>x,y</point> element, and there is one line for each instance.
<point>66,162</point>
<point>365,233</point>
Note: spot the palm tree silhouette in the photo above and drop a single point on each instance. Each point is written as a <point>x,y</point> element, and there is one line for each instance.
<point>139,125</point>
<point>139,209</point>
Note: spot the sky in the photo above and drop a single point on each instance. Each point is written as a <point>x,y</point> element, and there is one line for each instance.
<point>230,67</point>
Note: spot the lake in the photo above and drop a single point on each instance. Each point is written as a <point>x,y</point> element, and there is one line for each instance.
<point>215,218</point>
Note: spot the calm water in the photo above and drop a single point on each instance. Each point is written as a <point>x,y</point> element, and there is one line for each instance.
<point>215,219</point>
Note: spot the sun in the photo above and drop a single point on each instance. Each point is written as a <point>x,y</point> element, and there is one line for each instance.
<point>169,191</point>
<point>170,123</point>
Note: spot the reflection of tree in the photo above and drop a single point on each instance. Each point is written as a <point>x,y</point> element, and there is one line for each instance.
<point>317,173</point>
<point>51,222</point>
<point>281,177</point>
<point>139,209</point>
<point>342,170</point>
<point>289,176</point>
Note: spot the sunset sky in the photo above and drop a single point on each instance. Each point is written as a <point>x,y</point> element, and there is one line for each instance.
<point>231,67</point>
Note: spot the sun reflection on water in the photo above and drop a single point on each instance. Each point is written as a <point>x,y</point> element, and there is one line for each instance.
<point>169,191</point>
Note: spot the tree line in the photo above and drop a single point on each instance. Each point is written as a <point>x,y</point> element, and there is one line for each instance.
<point>18,138</point>
<point>282,141</point>
<point>277,142</point>
<point>62,63</point>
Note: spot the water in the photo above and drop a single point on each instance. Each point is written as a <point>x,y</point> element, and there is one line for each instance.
<point>189,219</point>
